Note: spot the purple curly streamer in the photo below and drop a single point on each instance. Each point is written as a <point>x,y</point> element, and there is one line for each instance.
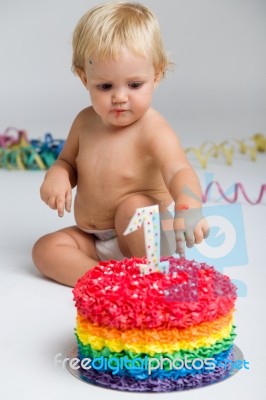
<point>238,188</point>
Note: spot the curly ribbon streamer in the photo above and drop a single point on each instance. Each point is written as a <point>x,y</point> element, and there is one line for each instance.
<point>251,146</point>
<point>21,153</point>
<point>238,187</point>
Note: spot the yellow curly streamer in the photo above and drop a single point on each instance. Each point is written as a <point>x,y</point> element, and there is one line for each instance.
<point>252,145</point>
<point>19,156</point>
<point>151,341</point>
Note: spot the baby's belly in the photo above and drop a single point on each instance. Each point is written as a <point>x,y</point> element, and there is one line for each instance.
<point>99,213</point>
<point>95,214</point>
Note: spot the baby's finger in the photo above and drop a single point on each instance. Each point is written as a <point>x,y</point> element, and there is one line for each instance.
<point>180,243</point>
<point>198,234</point>
<point>190,238</point>
<point>51,203</point>
<point>60,205</point>
<point>68,200</point>
<point>206,231</point>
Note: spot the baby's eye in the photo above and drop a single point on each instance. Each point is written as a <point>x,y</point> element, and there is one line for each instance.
<point>135,85</point>
<point>104,86</point>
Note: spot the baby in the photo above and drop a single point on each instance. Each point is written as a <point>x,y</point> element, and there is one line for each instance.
<point>120,152</point>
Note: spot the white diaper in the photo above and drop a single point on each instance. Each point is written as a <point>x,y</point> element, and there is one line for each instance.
<point>108,250</point>
<point>106,244</point>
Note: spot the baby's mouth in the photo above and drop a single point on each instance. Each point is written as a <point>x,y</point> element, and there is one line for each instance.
<point>118,112</point>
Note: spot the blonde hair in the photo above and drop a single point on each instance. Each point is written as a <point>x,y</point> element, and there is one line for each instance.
<point>105,28</point>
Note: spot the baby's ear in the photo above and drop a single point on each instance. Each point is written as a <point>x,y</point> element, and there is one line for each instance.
<point>82,75</point>
<point>157,77</point>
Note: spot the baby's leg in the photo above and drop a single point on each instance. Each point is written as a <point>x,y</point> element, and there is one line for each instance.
<point>132,245</point>
<point>65,255</point>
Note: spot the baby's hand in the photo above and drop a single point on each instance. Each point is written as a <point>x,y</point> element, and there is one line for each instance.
<point>190,228</point>
<point>57,194</point>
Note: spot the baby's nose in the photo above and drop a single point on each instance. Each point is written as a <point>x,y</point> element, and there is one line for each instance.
<point>120,96</point>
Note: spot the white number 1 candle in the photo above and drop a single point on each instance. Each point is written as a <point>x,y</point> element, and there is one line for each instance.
<point>149,218</point>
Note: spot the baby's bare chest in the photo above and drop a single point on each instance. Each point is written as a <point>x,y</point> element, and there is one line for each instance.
<point>108,172</point>
<point>110,162</point>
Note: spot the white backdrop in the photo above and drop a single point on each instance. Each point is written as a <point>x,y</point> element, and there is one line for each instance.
<point>217,89</point>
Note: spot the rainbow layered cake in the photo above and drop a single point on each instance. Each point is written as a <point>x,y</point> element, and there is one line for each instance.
<point>155,332</point>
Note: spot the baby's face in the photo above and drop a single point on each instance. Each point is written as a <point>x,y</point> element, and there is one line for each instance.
<point>120,90</point>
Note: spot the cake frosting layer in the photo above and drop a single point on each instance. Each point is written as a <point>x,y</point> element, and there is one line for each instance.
<point>114,294</point>
<point>131,384</point>
<point>200,352</point>
<point>174,369</point>
<point>151,341</point>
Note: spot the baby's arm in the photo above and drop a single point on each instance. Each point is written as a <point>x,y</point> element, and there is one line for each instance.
<point>56,190</point>
<point>189,223</point>
<point>183,185</point>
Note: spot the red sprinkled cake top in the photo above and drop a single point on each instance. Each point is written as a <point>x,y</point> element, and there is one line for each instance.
<point>115,294</point>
